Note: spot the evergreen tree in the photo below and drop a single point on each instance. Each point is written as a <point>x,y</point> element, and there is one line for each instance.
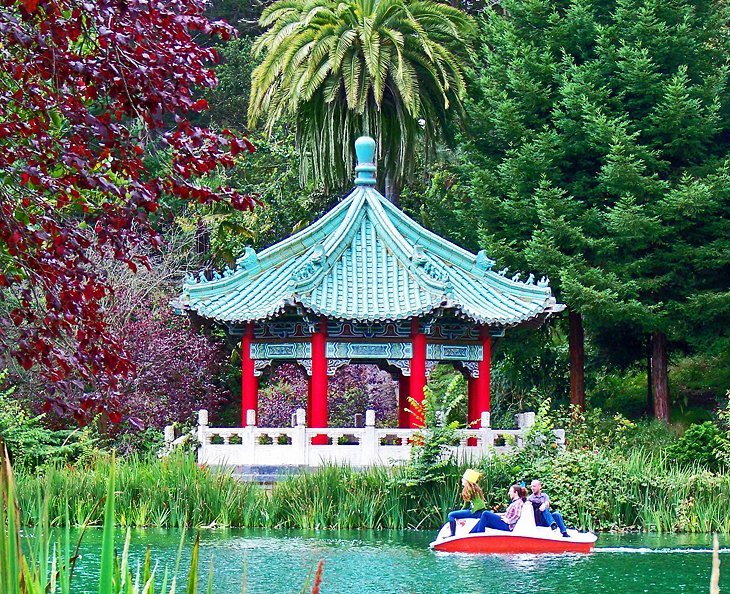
<point>598,154</point>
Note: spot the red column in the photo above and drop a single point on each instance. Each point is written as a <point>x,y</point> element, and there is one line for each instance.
<point>418,369</point>
<point>404,386</point>
<point>472,414</point>
<point>482,397</point>
<point>309,401</point>
<point>249,382</point>
<point>318,386</point>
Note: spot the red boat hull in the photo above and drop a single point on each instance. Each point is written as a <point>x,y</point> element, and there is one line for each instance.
<point>511,545</point>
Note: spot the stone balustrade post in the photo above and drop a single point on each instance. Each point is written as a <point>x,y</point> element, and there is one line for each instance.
<point>248,439</point>
<point>202,437</point>
<point>299,438</point>
<point>524,420</point>
<point>369,444</point>
<point>486,431</point>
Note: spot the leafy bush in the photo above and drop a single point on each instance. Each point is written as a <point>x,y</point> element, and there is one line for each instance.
<point>619,393</point>
<point>30,444</point>
<point>539,439</point>
<point>702,378</point>
<point>445,377</point>
<point>594,429</point>
<point>722,447</point>
<point>697,446</point>
<point>286,392</point>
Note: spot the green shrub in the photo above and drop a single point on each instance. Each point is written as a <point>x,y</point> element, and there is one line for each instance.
<point>594,429</point>
<point>30,444</point>
<point>429,454</point>
<point>722,449</point>
<point>697,446</point>
<point>616,393</point>
<point>702,378</point>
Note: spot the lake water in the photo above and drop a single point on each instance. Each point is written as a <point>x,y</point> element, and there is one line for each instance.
<point>365,562</point>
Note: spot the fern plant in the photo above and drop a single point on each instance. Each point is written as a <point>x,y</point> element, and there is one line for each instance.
<point>430,457</point>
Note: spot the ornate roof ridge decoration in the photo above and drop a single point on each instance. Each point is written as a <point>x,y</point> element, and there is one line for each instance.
<point>366,260</point>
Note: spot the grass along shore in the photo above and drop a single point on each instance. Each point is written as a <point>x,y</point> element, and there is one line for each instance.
<point>596,491</point>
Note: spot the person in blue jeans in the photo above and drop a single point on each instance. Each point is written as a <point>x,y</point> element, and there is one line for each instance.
<point>506,521</point>
<point>473,499</point>
<point>545,517</point>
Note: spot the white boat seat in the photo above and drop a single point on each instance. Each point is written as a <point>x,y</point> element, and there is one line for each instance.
<point>526,523</point>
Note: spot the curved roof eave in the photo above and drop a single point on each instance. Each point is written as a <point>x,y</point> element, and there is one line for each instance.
<point>365,260</point>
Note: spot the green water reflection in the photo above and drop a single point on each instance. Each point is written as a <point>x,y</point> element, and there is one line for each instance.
<point>364,562</point>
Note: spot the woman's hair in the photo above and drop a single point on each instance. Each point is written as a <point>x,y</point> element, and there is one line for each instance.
<point>521,492</point>
<point>471,489</point>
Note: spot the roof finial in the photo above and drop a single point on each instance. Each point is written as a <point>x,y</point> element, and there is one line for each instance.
<point>365,150</point>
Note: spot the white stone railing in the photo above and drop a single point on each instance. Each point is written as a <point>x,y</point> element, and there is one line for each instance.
<point>357,447</point>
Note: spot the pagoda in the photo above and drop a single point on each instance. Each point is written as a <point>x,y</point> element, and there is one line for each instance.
<point>367,284</point>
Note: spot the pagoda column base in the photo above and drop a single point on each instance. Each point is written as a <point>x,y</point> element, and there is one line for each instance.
<point>473,416</point>
<point>404,391</point>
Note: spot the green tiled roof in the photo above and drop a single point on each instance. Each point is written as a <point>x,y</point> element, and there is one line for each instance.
<point>366,260</point>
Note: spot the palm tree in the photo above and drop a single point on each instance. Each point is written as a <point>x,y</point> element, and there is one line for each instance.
<point>389,68</point>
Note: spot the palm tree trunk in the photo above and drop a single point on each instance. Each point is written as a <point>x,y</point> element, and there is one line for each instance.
<point>392,191</point>
<point>576,340</point>
<point>659,376</point>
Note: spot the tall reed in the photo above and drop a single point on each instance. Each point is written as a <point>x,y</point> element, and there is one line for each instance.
<point>46,570</point>
<point>593,490</point>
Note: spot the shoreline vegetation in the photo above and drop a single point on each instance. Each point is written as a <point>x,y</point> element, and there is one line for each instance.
<point>42,566</point>
<point>48,567</point>
<point>594,490</point>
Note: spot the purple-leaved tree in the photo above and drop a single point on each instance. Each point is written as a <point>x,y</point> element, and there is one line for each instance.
<point>177,370</point>
<point>353,389</point>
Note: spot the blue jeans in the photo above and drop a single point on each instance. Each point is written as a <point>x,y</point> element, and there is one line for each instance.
<point>490,520</point>
<point>461,514</point>
<point>548,518</point>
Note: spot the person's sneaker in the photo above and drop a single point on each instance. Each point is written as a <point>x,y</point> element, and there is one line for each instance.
<point>566,535</point>
<point>553,526</point>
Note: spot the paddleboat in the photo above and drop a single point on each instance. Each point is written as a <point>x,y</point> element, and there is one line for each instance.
<point>526,537</point>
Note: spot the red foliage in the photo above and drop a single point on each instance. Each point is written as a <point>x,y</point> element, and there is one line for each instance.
<point>318,577</point>
<point>177,371</point>
<point>85,85</point>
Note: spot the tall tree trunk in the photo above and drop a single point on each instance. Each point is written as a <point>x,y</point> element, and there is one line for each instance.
<point>649,386</point>
<point>659,377</point>
<point>577,359</point>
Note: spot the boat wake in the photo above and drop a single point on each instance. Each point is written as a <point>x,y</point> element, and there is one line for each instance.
<point>647,550</point>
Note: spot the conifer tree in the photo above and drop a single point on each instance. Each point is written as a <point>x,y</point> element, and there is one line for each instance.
<point>598,153</point>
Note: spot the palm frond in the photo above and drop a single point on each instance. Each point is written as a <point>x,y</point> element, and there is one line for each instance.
<point>347,67</point>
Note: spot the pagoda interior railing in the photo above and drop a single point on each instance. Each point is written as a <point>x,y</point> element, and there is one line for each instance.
<point>357,447</point>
